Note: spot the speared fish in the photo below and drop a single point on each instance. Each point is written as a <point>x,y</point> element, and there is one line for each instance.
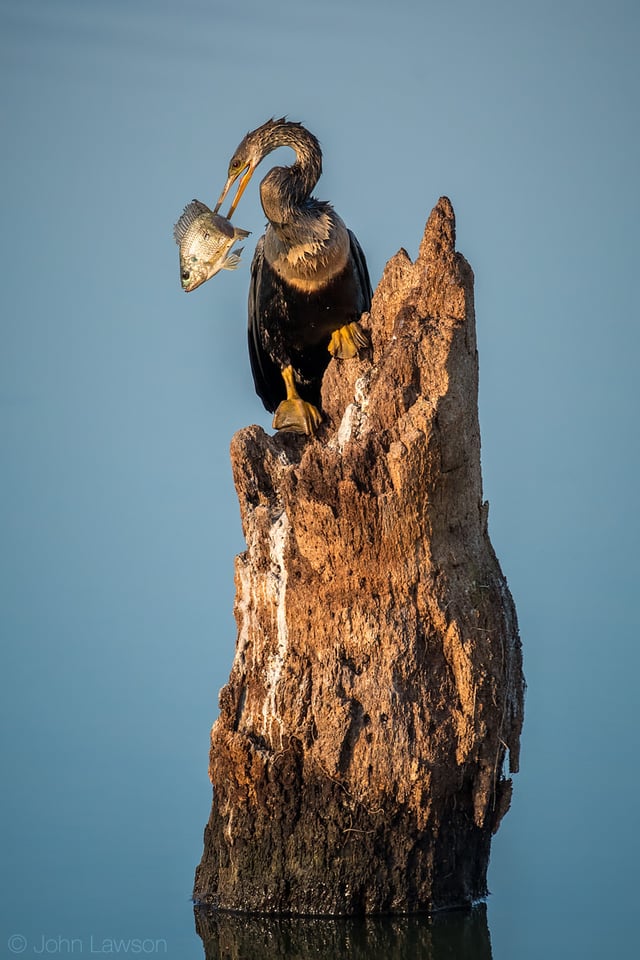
<point>205,240</point>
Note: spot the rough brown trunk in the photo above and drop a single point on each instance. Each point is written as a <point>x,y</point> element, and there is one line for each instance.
<point>377,686</point>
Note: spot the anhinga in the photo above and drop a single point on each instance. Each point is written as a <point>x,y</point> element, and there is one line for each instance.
<point>309,278</point>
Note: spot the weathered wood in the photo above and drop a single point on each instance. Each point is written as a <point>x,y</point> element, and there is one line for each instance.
<point>377,686</point>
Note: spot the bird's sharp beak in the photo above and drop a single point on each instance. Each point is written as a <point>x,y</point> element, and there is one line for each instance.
<point>225,191</point>
<point>246,176</point>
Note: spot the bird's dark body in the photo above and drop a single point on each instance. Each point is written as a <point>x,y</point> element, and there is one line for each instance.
<point>309,277</point>
<point>289,326</point>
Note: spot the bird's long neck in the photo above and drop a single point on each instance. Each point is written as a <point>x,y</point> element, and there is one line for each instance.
<point>285,190</point>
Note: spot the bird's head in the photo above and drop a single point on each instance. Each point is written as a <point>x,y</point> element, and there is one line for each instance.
<point>261,141</point>
<point>242,164</point>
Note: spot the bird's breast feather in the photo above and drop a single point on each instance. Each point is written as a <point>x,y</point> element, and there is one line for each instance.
<point>309,260</point>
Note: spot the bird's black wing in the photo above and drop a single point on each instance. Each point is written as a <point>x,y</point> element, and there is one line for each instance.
<point>362,272</point>
<point>266,374</point>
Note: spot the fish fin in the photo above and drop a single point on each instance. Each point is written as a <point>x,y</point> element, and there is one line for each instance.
<point>232,260</point>
<point>190,213</point>
<point>240,234</point>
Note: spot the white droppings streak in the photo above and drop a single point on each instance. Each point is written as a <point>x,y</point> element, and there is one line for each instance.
<point>276,591</point>
<point>354,418</point>
<point>245,611</point>
<point>347,426</point>
<point>361,392</point>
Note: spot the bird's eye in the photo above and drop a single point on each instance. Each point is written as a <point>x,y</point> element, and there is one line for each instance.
<point>185,274</point>
<point>235,164</point>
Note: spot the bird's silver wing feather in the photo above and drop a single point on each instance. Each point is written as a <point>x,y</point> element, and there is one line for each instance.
<point>362,272</point>
<point>266,374</point>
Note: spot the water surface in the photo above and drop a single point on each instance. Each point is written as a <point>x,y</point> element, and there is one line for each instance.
<point>119,395</point>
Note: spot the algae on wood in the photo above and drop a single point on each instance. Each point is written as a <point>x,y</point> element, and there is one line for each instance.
<point>377,687</point>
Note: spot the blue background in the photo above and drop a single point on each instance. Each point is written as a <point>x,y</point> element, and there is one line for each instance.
<point>119,396</point>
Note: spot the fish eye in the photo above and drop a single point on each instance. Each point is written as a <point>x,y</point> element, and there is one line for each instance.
<point>185,274</point>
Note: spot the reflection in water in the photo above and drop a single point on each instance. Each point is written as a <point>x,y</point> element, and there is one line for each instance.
<point>455,934</point>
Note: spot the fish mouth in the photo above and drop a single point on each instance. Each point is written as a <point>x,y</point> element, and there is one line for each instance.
<point>189,285</point>
<point>189,281</point>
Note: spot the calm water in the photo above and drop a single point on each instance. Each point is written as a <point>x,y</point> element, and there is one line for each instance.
<point>119,396</point>
<point>463,935</point>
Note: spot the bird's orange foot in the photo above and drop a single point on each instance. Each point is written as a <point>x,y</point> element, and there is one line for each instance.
<point>297,416</point>
<point>347,342</point>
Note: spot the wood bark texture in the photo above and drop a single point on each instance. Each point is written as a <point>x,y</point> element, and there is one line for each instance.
<point>376,694</point>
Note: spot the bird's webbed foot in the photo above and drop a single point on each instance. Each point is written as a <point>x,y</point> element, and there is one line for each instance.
<point>297,416</point>
<point>294,414</point>
<point>348,341</point>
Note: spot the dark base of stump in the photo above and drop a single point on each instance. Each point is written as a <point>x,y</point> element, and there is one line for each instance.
<point>333,857</point>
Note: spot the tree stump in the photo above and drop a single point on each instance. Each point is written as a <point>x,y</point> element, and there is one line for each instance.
<point>377,689</point>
